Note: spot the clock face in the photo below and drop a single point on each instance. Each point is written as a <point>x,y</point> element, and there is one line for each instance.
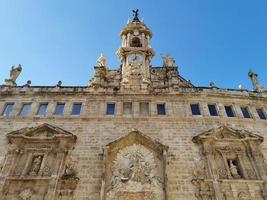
<point>135,58</point>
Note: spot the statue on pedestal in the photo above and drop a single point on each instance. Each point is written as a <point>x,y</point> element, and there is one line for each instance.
<point>168,61</point>
<point>36,164</point>
<point>14,73</point>
<point>102,61</point>
<point>255,81</point>
<point>233,169</point>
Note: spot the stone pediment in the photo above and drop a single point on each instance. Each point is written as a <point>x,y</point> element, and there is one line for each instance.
<point>227,133</point>
<point>41,132</point>
<point>136,137</point>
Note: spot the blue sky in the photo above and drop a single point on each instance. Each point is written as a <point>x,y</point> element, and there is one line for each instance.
<point>212,40</point>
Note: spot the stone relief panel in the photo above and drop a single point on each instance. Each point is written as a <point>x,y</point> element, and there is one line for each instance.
<point>35,163</point>
<point>134,170</point>
<point>136,173</point>
<point>234,164</point>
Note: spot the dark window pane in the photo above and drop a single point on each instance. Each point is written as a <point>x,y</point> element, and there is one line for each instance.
<point>245,112</point>
<point>42,109</point>
<point>8,109</point>
<point>195,109</point>
<point>229,111</point>
<point>110,109</point>
<point>25,109</point>
<point>76,109</point>
<point>144,108</point>
<point>127,108</point>
<point>213,110</point>
<point>59,109</point>
<point>261,113</point>
<point>161,109</point>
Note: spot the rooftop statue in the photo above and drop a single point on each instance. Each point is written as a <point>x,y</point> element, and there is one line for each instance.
<point>168,61</point>
<point>102,61</point>
<point>14,73</point>
<point>255,81</point>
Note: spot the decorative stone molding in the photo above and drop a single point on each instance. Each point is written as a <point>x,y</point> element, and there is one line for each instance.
<point>36,162</point>
<point>233,158</point>
<point>134,169</point>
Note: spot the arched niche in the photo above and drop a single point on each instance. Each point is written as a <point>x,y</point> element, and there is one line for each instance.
<point>134,169</point>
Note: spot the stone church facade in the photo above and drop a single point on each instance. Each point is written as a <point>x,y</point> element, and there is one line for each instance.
<point>135,133</point>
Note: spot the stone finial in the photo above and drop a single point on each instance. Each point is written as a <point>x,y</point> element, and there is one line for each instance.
<point>241,87</point>
<point>168,61</point>
<point>14,73</point>
<point>255,81</point>
<point>212,84</point>
<point>59,83</point>
<point>128,21</point>
<point>102,61</point>
<point>28,84</point>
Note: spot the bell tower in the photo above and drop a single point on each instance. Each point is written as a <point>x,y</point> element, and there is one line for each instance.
<point>135,53</point>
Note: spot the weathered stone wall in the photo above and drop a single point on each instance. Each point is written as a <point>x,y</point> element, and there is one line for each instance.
<point>94,129</point>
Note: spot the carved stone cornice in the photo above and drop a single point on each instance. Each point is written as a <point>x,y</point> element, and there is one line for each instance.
<point>38,134</point>
<point>224,133</point>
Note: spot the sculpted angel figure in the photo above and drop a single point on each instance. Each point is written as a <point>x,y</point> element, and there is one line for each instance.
<point>14,73</point>
<point>255,81</point>
<point>102,61</point>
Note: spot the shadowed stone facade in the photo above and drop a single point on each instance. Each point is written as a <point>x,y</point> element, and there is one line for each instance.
<point>138,133</point>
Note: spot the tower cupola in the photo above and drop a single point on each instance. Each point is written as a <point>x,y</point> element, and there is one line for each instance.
<point>135,53</point>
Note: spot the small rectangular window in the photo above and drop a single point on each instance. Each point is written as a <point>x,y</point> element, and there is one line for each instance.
<point>76,109</point>
<point>110,109</point>
<point>195,109</point>
<point>8,109</point>
<point>261,113</point>
<point>127,108</point>
<point>144,108</point>
<point>25,109</point>
<point>59,109</point>
<point>213,111</point>
<point>161,109</point>
<point>245,112</point>
<point>42,109</point>
<point>229,111</point>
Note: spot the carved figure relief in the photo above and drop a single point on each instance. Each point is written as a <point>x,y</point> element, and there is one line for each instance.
<point>233,169</point>
<point>136,172</point>
<point>36,164</point>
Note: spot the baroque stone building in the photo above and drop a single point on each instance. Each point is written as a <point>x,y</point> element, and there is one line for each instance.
<point>135,133</point>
